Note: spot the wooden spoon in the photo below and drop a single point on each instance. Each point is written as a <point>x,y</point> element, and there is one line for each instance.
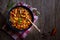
<point>34,25</point>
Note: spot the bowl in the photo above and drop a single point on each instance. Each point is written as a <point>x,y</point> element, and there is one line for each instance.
<point>9,23</point>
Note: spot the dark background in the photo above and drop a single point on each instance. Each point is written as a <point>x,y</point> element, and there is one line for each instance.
<point>49,17</point>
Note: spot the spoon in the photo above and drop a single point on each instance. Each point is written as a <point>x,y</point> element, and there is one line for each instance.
<point>34,25</point>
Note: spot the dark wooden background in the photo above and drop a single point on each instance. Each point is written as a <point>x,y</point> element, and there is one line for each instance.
<point>49,17</point>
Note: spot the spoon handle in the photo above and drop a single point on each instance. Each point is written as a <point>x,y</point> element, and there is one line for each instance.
<point>35,25</point>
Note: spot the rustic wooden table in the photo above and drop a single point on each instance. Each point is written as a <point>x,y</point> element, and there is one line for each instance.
<point>47,19</point>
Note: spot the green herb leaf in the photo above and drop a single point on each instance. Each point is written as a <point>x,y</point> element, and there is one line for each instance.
<point>19,20</point>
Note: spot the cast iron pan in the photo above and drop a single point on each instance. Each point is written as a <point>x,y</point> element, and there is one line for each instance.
<point>9,24</point>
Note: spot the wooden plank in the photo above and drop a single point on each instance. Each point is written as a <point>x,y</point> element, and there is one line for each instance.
<point>57,12</point>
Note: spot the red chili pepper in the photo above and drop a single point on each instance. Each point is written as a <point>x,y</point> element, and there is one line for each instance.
<point>53,31</point>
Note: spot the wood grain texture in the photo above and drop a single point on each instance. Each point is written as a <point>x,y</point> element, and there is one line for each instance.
<point>46,20</point>
<point>57,13</point>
